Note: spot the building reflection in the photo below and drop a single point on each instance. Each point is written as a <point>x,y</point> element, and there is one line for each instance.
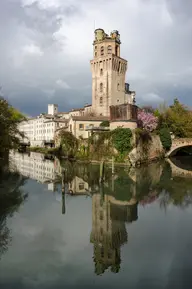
<point>109,218</point>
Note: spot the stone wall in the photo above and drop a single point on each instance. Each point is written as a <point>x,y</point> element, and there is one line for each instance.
<point>124,124</point>
<point>146,153</point>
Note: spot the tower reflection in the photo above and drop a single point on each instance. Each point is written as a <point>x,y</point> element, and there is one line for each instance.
<point>109,218</point>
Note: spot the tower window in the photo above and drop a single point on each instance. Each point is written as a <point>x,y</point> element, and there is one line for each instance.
<point>101,87</point>
<point>101,71</point>
<point>109,49</point>
<point>118,86</point>
<point>95,53</point>
<point>101,101</point>
<point>102,50</point>
<point>116,50</point>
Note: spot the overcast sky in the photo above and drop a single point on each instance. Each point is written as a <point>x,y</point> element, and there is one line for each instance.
<point>46,46</point>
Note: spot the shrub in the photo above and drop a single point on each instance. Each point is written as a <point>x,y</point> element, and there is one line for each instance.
<point>165,138</point>
<point>104,123</point>
<point>121,138</point>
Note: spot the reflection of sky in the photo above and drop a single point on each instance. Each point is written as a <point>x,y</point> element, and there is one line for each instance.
<point>51,250</point>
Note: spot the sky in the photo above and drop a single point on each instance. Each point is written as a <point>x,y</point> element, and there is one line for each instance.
<point>46,48</point>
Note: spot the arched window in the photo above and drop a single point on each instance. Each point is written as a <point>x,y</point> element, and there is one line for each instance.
<point>118,86</point>
<point>95,53</point>
<point>101,101</point>
<point>102,50</point>
<point>101,71</point>
<point>101,87</point>
<point>109,49</point>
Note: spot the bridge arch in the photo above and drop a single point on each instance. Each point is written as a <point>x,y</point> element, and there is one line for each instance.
<point>177,144</point>
<point>179,172</point>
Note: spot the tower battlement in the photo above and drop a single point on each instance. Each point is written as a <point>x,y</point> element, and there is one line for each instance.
<point>100,35</point>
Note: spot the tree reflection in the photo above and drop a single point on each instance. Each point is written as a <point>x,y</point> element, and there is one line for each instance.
<point>11,198</point>
<point>174,190</point>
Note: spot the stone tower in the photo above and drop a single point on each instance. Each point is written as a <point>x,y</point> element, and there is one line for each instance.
<point>108,72</point>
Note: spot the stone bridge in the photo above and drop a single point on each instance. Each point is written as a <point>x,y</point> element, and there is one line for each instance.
<point>177,144</point>
<point>178,172</point>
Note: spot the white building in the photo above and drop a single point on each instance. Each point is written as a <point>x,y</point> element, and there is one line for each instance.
<point>40,130</point>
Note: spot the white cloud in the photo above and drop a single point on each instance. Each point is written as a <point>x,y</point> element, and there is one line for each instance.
<point>43,4</point>
<point>155,40</point>
<point>32,49</point>
<point>62,84</point>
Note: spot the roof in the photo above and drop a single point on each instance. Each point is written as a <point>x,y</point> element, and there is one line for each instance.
<point>87,105</point>
<point>62,113</point>
<point>76,109</point>
<point>58,120</point>
<point>61,120</point>
<point>90,118</point>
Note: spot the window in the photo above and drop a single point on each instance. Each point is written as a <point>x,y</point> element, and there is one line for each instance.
<point>101,87</point>
<point>81,186</point>
<point>102,50</point>
<point>95,53</point>
<point>81,126</point>
<point>101,101</point>
<point>118,86</point>
<point>116,50</point>
<point>109,49</point>
<point>101,71</point>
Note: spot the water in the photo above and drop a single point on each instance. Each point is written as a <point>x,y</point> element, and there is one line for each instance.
<point>132,232</point>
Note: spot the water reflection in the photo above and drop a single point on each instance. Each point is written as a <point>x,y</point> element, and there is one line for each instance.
<point>115,204</point>
<point>166,182</point>
<point>11,198</point>
<point>109,233</point>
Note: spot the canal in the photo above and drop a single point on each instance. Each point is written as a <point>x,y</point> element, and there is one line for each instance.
<point>133,231</point>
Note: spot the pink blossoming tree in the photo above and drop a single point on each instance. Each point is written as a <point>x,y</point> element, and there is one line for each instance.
<point>147,120</point>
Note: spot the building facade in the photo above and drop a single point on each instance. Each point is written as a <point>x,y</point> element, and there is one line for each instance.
<point>40,130</point>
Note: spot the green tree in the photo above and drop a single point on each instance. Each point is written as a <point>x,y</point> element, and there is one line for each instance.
<point>16,114</point>
<point>165,138</point>
<point>178,119</point>
<point>68,143</point>
<point>10,134</point>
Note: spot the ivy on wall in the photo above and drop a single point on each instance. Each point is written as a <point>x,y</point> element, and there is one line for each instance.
<point>121,139</point>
